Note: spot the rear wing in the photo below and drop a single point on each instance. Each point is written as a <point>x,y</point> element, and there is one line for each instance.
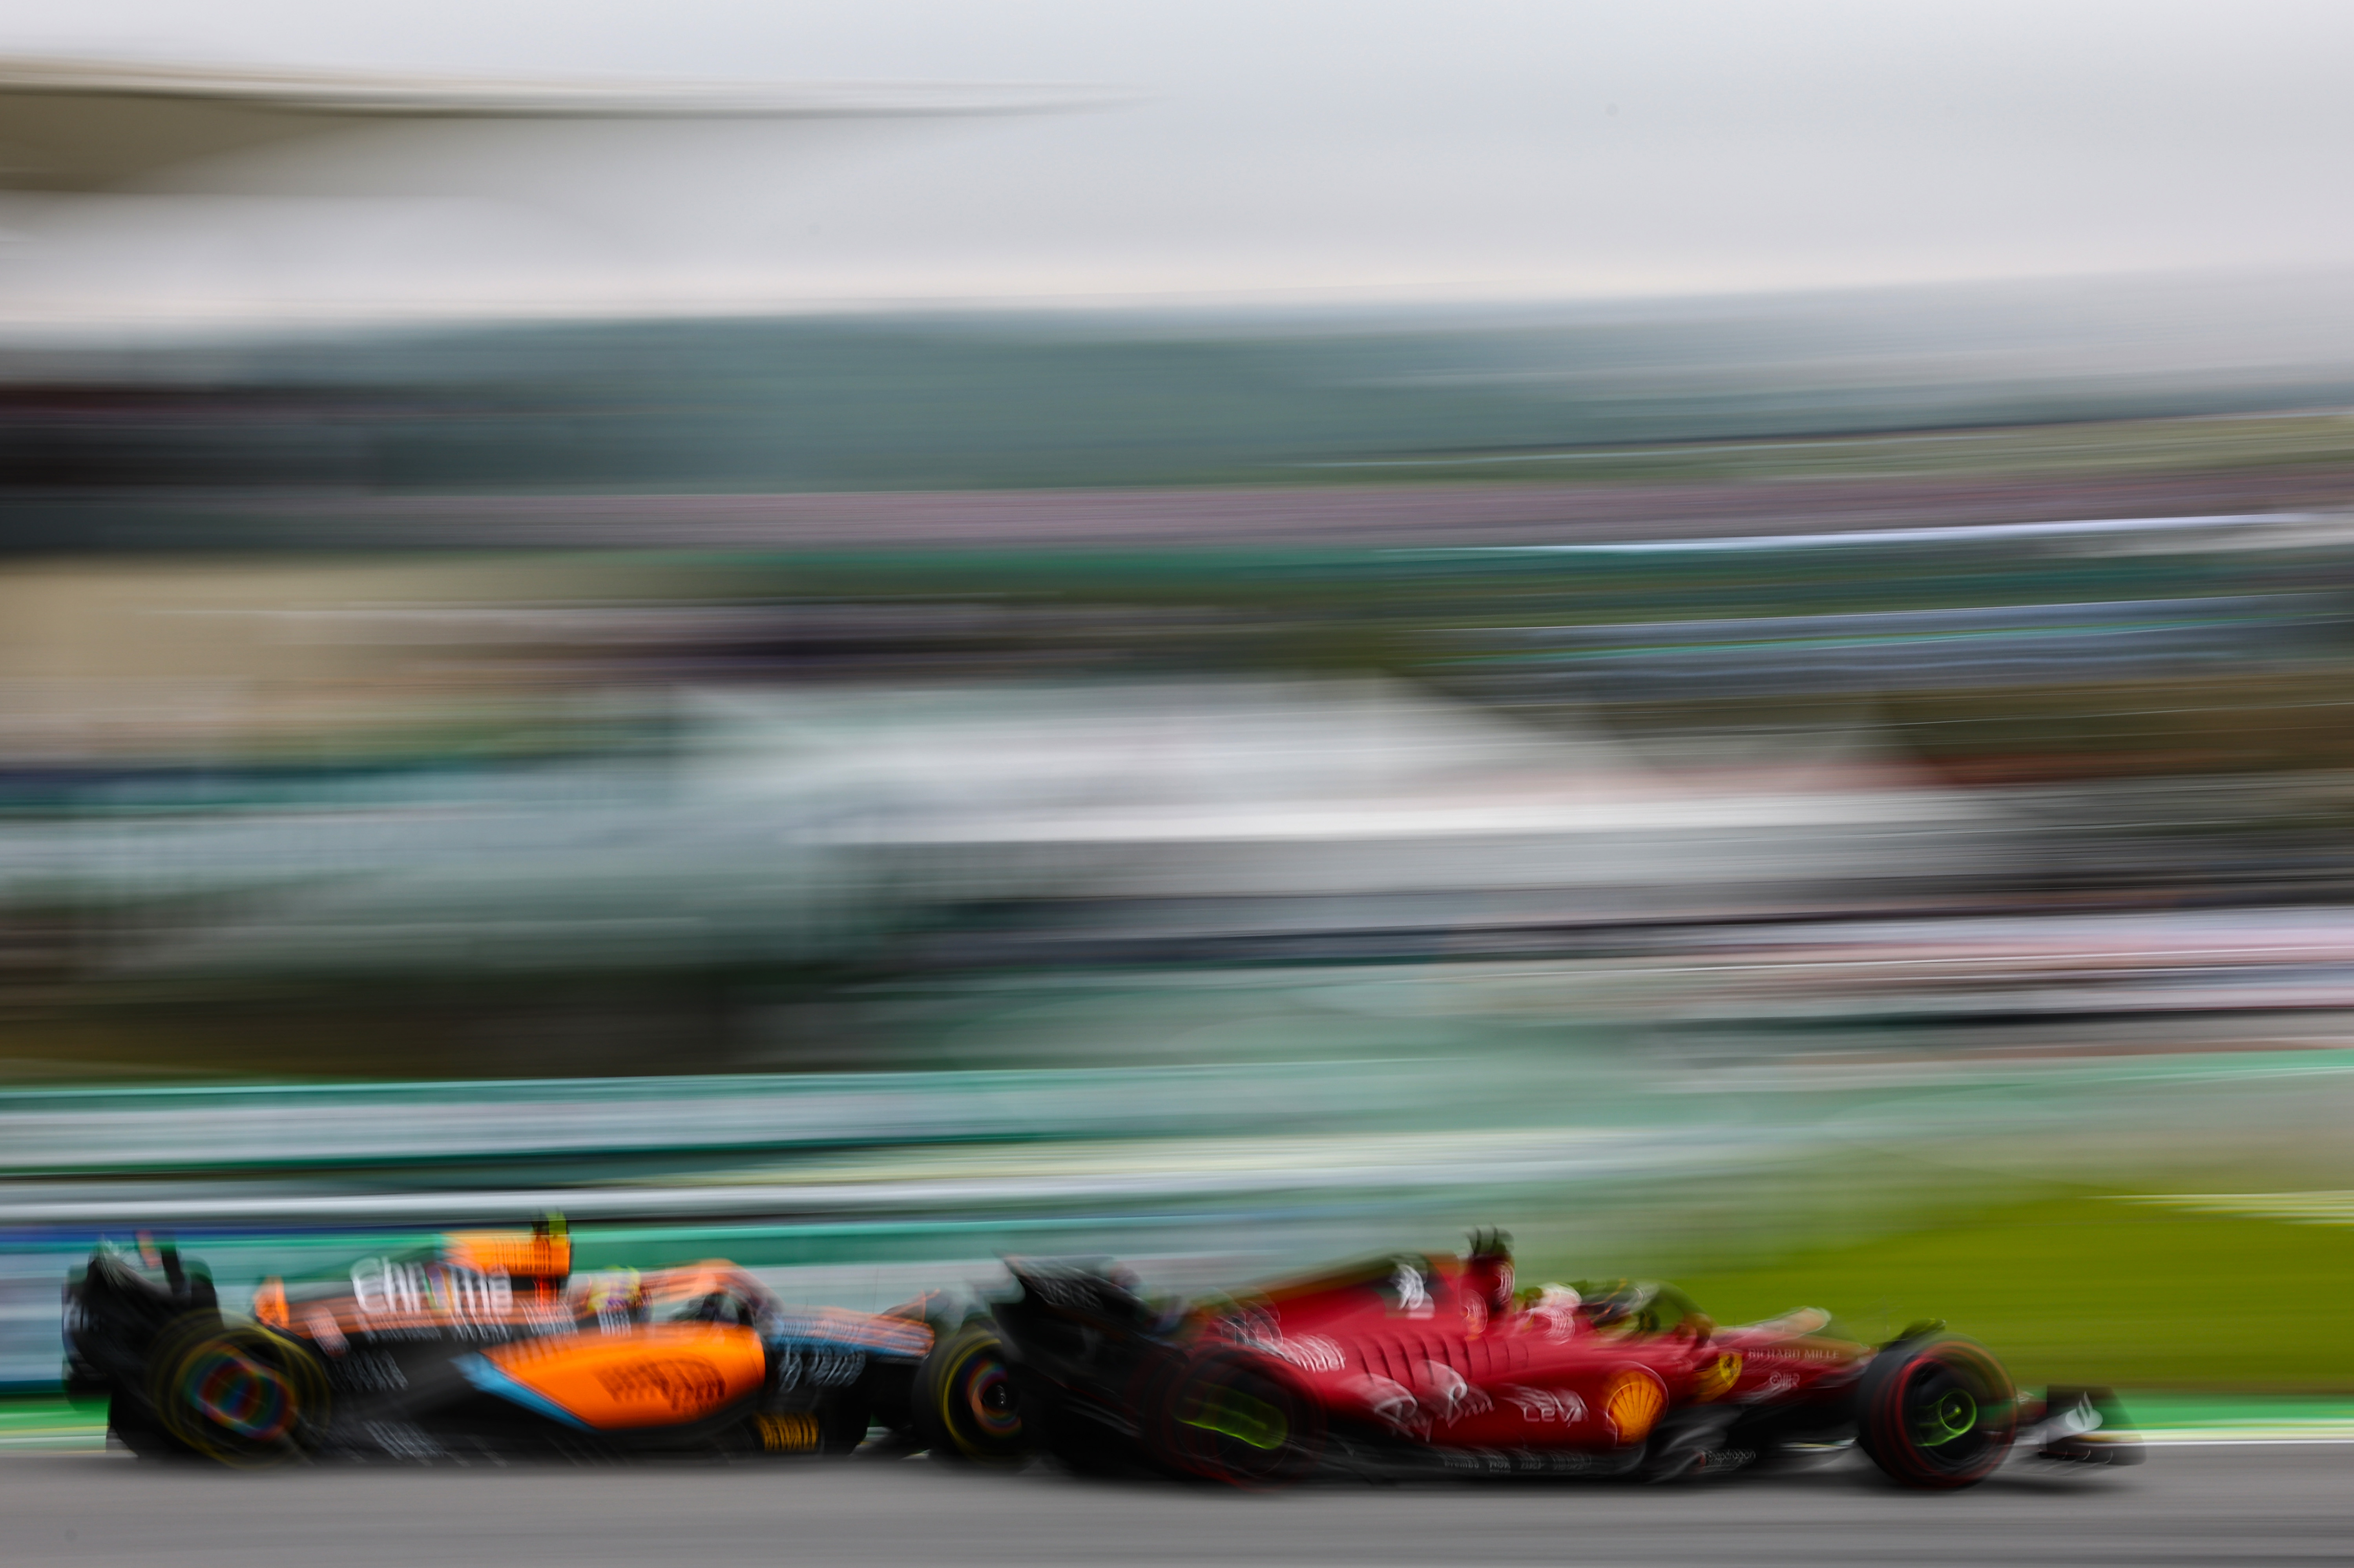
<point>116,1306</point>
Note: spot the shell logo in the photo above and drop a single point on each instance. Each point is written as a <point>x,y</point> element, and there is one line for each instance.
<point>1632,1402</point>
<point>1717,1378</point>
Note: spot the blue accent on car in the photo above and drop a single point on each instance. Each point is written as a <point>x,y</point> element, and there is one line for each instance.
<point>491,1380</point>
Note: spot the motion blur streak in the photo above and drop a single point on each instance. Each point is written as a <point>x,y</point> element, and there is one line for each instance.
<point>874,656</point>
<point>1071,870</point>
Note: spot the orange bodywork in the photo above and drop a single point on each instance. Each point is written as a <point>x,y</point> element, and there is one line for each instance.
<point>658,1376</point>
<point>522,1254</point>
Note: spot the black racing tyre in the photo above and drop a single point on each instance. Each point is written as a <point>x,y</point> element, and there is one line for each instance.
<point>173,1340</point>
<point>966,1406</point>
<point>240,1394</point>
<point>1231,1415</point>
<point>131,1423</point>
<point>1079,1447</point>
<point>137,1417</point>
<point>1936,1413</point>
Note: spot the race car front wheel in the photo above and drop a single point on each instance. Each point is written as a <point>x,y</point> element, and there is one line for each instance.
<point>242,1395</point>
<point>965,1399</point>
<point>1936,1413</point>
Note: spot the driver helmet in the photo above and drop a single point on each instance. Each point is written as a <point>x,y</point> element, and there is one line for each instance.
<point>617,1299</point>
<point>1555,1311</point>
<point>1487,1269</point>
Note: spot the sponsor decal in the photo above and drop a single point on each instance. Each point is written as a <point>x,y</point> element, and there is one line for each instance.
<point>542,1252</point>
<point>366,1372</point>
<point>1253,1325</point>
<point>379,1287</point>
<point>1393,1401</point>
<point>1631,1402</point>
<point>1545,1404</point>
<point>893,1337</point>
<point>826,1367</point>
<point>466,1298</point>
<point>1449,1395</point>
<point>546,1320</point>
<point>403,1440</point>
<point>325,1332</point>
<point>1257,1329</point>
<point>1717,1378</point>
<point>687,1383</point>
<point>1309,1352</point>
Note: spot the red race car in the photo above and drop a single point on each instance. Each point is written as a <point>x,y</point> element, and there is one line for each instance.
<point>1412,1362</point>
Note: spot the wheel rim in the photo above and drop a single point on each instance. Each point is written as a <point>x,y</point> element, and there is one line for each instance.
<point>240,1395</point>
<point>244,1397</point>
<point>989,1398</point>
<point>1953,1416</point>
<point>1949,1415</point>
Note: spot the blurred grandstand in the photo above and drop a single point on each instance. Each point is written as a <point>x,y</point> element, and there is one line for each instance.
<point>900,789</point>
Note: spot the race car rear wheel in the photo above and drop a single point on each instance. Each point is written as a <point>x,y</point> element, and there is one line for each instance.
<point>965,1398</point>
<point>130,1423</point>
<point>1233,1416</point>
<point>243,1395</point>
<point>1936,1413</point>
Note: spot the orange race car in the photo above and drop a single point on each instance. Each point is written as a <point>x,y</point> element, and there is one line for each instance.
<point>487,1342</point>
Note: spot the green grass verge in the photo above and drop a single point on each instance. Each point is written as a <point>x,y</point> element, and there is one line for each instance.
<point>2091,1291</point>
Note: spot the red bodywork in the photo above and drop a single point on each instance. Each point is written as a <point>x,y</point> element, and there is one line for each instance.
<point>1435,1351</point>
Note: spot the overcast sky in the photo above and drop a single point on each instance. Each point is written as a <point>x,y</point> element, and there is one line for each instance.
<point>1294,149</point>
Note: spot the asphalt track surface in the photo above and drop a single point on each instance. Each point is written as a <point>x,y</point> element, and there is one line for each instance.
<point>2239,1504</point>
